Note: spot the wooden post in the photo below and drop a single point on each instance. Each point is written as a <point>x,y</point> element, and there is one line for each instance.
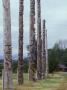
<point>39,46</point>
<point>47,69</point>
<point>7,72</point>
<point>20,55</point>
<point>43,51</point>
<point>32,46</point>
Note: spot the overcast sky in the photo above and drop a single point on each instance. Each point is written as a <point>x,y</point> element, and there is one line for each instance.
<point>55,13</point>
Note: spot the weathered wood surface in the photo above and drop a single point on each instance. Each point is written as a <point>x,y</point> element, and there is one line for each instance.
<point>46,46</point>
<point>7,73</point>
<point>32,47</point>
<point>20,55</point>
<point>7,80</point>
<point>39,46</point>
<point>43,51</point>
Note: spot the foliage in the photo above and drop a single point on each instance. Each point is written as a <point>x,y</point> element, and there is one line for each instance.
<point>1,67</point>
<point>15,66</point>
<point>53,60</point>
<point>56,56</point>
<point>26,65</point>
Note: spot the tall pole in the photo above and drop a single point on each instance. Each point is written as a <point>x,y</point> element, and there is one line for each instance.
<point>47,69</point>
<point>20,55</point>
<point>39,62</point>
<point>7,73</point>
<point>32,41</point>
<point>43,51</point>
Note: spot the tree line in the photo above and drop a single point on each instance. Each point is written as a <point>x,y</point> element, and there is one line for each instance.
<point>56,56</point>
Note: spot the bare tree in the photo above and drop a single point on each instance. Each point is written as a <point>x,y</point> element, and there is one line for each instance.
<point>7,73</point>
<point>20,56</point>
<point>39,62</point>
<point>32,46</point>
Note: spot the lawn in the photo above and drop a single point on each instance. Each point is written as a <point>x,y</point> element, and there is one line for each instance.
<point>57,81</point>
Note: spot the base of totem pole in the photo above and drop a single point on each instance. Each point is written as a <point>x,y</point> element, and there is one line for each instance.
<point>7,80</point>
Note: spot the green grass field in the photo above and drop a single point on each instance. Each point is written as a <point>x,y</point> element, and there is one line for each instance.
<point>57,81</point>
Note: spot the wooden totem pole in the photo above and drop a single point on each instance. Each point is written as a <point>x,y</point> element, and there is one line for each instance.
<point>47,69</point>
<point>43,51</point>
<point>20,55</point>
<point>32,46</point>
<point>39,46</point>
<point>7,72</point>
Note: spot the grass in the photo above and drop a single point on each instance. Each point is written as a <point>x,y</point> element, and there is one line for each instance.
<point>57,81</point>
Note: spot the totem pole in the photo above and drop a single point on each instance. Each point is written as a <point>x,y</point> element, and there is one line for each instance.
<point>7,72</point>
<point>43,52</point>
<point>39,46</point>
<point>20,55</point>
<point>32,47</point>
<point>46,48</point>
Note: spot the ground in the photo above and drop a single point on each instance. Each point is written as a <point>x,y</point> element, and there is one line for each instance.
<point>56,81</point>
